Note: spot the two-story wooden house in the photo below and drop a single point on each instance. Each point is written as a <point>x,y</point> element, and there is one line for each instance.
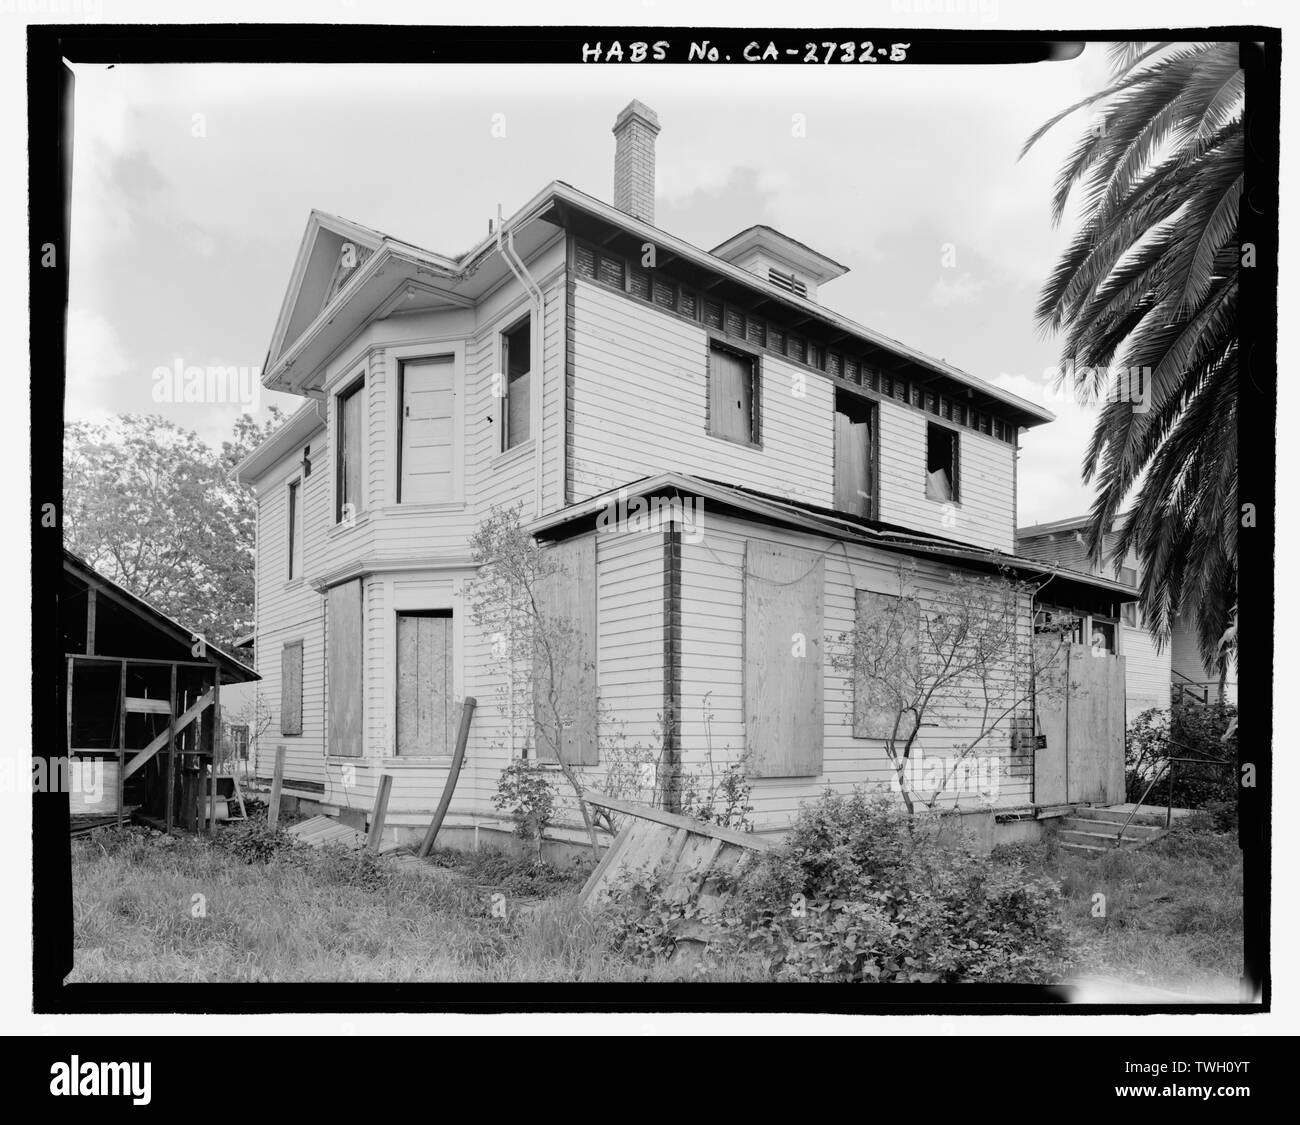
<point>578,362</point>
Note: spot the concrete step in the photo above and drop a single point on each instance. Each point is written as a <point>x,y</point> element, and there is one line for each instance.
<point>1147,816</point>
<point>1084,849</point>
<point>1109,827</point>
<point>1095,839</point>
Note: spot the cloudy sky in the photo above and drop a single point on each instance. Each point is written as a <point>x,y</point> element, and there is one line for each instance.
<point>193,184</point>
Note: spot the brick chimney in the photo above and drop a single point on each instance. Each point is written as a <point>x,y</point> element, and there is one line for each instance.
<point>634,161</point>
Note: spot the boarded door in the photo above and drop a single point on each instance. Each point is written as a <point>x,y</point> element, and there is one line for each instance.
<point>1050,711</point>
<point>424,684</point>
<point>345,667</point>
<point>852,456</point>
<point>427,441</point>
<point>567,602</point>
<point>1079,711</point>
<point>1096,727</point>
<point>783,660</point>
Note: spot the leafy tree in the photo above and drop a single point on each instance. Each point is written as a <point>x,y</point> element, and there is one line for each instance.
<point>963,650</point>
<point>1145,298</point>
<point>538,651</point>
<point>151,506</point>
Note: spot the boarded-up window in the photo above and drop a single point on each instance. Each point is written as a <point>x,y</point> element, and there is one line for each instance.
<point>348,487</point>
<point>425,663</point>
<point>733,395</point>
<point>783,660</point>
<point>291,688</point>
<point>886,640</point>
<point>516,359</point>
<point>567,606</point>
<point>344,668</point>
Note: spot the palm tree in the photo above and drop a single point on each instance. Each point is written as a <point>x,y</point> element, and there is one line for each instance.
<point>1145,296</point>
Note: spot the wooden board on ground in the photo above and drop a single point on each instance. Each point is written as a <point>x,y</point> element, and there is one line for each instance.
<point>692,859</point>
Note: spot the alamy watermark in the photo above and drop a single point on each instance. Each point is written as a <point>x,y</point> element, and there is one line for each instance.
<point>653,513</point>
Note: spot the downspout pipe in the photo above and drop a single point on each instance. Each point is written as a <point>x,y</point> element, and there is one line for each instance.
<point>506,244</point>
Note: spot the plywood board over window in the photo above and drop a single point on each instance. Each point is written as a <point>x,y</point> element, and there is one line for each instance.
<point>783,660</point>
<point>733,395</point>
<point>425,710</point>
<point>886,637</point>
<point>291,688</point>
<point>567,599</point>
<point>344,668</point>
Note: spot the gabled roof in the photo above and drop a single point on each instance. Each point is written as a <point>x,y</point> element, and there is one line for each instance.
<point>396,271</point>
<point>316,270</point>
<point>166,629</point>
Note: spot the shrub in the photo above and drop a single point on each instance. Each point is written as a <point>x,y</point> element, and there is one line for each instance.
<point>254,842</point>
<point>1189,729</point>
<point>860,891</point>
<point>525,791</point>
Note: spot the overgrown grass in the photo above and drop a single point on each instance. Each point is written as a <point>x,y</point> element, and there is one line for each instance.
<point>185,910</point>
<point>1172,910</point>
<point>152,908</point>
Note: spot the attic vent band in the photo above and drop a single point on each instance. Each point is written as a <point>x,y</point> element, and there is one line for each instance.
<point>787,281</point>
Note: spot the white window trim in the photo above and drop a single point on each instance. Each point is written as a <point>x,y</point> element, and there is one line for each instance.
<point>360,372</point>
<point>295,579</point>
<point>429,348</point>
<point>419,593</point>
<point>508,323</point>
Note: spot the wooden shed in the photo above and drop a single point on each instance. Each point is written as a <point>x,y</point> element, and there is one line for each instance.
<point>141,696</point>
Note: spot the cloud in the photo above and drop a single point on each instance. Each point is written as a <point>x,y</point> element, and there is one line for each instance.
<point>962,290</point>
<point>95,360</point>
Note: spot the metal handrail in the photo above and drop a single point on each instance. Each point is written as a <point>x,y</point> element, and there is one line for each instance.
<point>1169,808</point>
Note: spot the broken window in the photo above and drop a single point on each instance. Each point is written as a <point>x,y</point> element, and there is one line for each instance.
<point>940,463</point>
<point>733,395</point>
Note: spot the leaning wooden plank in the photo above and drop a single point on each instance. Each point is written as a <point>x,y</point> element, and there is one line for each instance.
<point>379,812</point>
<point>315,824</point>
<point>597,877</point>
<point>200,705</point>
<point>676,820</point>
<point>277,780</point>
<point>458,759</point>
<point>642,853</point>
<point>679,882</point>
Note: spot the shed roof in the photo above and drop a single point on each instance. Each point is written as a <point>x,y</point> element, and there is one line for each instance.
<point>160,635</point>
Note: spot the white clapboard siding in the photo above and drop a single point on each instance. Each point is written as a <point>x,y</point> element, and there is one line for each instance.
<point>1146,671</point>
<point>985,512</point>
<point>640,380</point>
<point>292,611</point>
<point>713,661</point>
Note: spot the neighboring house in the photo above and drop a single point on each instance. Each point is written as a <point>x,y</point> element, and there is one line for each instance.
<point>577,361</point>
<point>1147,666</point>
<point>1153,676</point>
<point>1191,677</point>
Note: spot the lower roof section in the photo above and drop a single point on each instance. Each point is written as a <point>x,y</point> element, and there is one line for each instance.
<point>1058,585</point>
